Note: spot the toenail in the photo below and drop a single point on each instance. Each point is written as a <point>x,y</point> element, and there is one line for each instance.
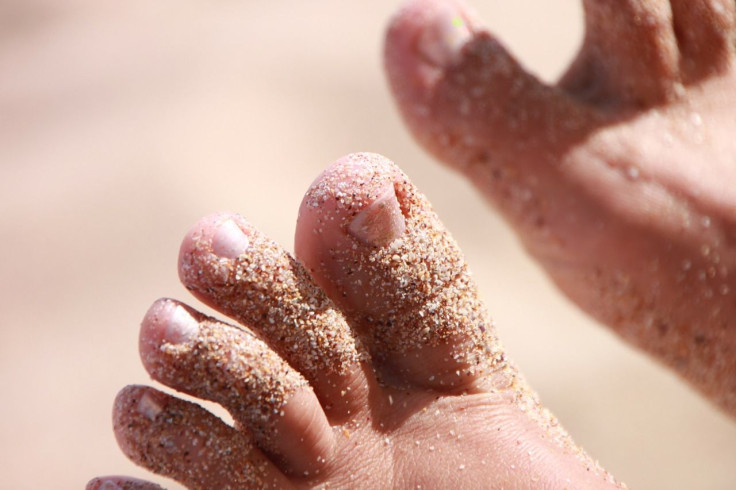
<point>109,485</point>
<point>182,327</point>
<point>229,241</point>
<point>149,407</point>
<point>443,38</point>
<point>381,222</point>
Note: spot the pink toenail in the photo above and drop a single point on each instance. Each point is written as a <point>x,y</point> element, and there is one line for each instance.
<point>381,222</point>
<point>229,241</point>
<point>149,407</point>
<point>443,38</point>
<point>181,327</point>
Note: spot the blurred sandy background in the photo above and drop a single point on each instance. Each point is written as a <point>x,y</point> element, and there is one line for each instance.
<point>121,123</point>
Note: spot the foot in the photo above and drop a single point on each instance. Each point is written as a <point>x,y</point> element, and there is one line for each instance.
<point>368,363</point>
<point>617,178</point>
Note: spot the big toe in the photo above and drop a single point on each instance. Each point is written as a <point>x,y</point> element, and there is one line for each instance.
<point>375,245</point>
<point>463,94</point>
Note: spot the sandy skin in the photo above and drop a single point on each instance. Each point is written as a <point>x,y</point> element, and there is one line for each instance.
<point>617,178</point>
<point>395,377</point>
<point>617,181</point>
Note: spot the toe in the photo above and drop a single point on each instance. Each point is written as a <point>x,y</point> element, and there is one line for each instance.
<point>462,94</point>
<point>181,440</point>
<point>629,55</point>
<point>377,248</point>
<point>373,243</point>
<point>232,267</point>
<point>706,35</point>
<point>229,365</point>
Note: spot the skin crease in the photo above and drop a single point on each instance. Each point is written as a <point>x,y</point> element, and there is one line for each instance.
<point>598,166</point>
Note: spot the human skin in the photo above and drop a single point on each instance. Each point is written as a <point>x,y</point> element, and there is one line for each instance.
<point>617,178</point>
<point>370,362</point>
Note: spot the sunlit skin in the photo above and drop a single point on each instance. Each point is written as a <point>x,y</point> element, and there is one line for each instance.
<point>617,178</point>
<point>617,181</point>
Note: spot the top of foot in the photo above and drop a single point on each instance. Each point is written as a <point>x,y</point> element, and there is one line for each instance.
<point>617,177</point>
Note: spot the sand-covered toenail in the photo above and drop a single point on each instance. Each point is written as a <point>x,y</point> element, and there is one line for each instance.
<point>149,407</point>
<point>229,240</point>
<point>120,483</point>
<point>381,222</point>
<point>182,327</point>
<point>445,34</point>
<point>109,485</point>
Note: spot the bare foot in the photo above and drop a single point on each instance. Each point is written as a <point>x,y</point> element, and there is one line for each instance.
<point>369,364</point>
<point>618,178</point>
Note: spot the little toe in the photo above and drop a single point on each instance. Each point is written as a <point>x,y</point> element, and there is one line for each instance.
<point>376,247</point>
<point>462,94</point>
<point>629,55</point>
<point>181,440</point>
<point>231,266</point>
<point>706,33</point>
<point>229,365</point>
